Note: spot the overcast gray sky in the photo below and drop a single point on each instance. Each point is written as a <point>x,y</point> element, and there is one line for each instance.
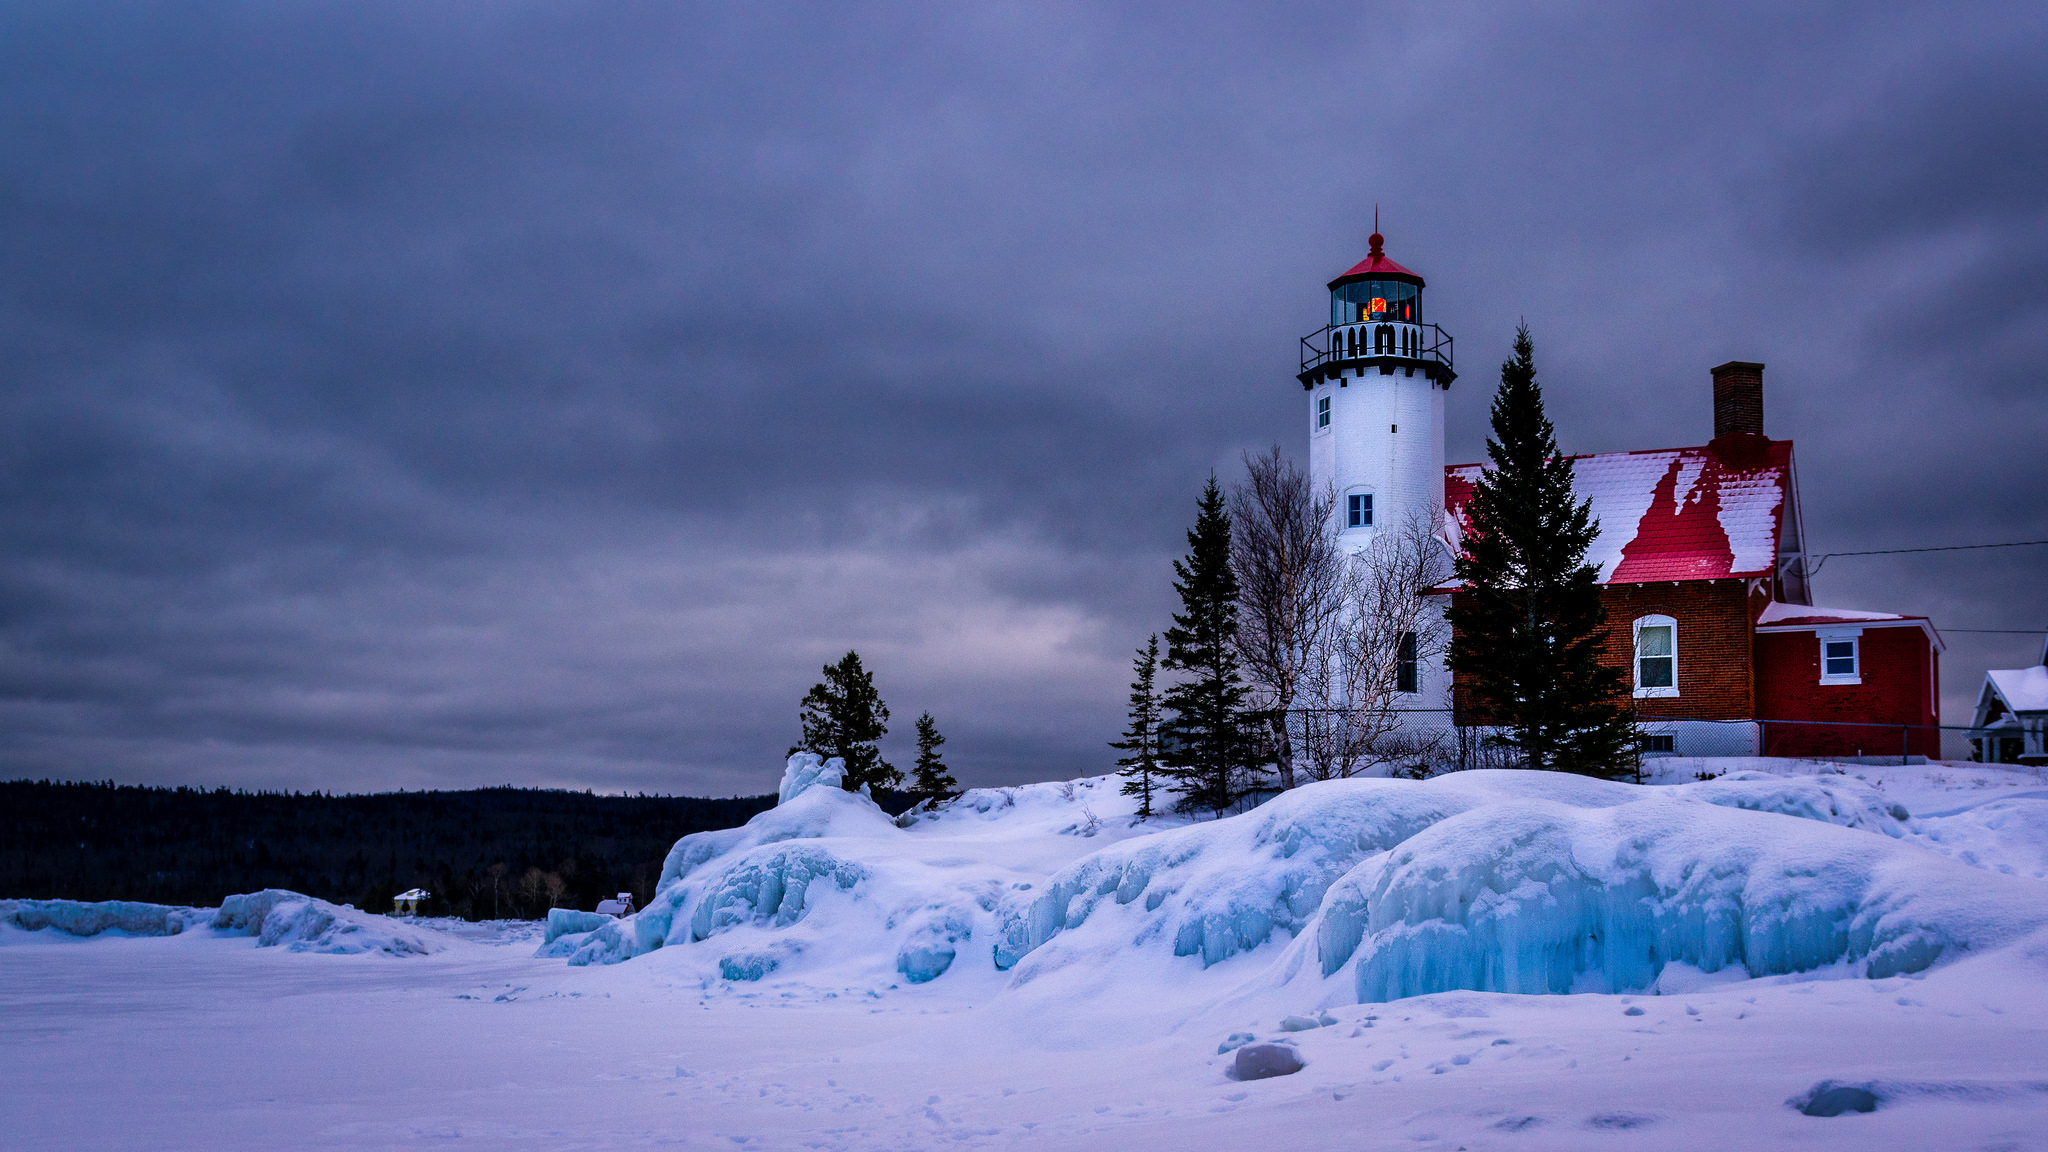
<point>400,395</point>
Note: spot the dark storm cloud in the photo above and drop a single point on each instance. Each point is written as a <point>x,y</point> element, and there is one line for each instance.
<point>541,393</point>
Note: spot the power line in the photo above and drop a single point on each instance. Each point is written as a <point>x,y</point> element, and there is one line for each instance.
<point>2000,631</point>
<point>1827,556</point>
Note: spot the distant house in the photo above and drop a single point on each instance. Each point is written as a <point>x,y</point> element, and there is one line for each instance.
<point>2011,722</point>
<point>620,906</point>
<point>408,903</point>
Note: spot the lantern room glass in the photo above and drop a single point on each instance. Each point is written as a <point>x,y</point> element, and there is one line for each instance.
<point>1368,300</point>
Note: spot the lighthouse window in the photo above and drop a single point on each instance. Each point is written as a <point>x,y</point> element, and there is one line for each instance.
<point>1656,656</point>
<point>1323,412</point>
<point>1358,510</point>
<point>1405,665</point>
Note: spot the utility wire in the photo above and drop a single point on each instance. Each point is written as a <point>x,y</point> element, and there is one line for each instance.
<point>1827,556</point>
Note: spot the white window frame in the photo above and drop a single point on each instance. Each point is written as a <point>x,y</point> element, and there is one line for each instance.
<point>1325,414</point>
<point>1854,638</point>
<point>1369,510</point>
<point>1635,658</point>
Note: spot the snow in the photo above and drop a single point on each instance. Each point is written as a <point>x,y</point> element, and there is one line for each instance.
<point>1779,612</point>
<point>2024,689</point>
<point>275,917</point>
<point>1746,961</point>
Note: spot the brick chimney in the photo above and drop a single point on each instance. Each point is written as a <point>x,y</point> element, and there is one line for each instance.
<point>1738,399</point>
<point>1739,438</point>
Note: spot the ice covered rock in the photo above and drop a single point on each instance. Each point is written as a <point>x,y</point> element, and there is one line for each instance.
<point>568,921</point>
<point>769,888</point>
<point>82,918</point>
<point>807,770</point>
<point>1219,888</point>
<point>1264,1061</point>
<point>299,923</point>
<point>1828,1098</point>
<point>1529,896</point>
<point>930,946</point>
<point>1299,1023</point>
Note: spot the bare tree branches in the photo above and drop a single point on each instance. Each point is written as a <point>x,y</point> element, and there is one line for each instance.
<point>1283,549</point>
<point>1387,630</point>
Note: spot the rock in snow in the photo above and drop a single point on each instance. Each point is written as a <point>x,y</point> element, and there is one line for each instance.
<point>1263,1061</point>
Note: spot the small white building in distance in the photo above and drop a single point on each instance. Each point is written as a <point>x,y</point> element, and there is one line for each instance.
<point>622,906</point>
<point>2011,723</point>
<point>408,903</point>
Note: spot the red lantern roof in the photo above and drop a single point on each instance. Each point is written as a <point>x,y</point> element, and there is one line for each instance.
<point>1375,264</point>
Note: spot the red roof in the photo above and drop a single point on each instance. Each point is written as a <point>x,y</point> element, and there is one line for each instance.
<point>1376,262</point>
<point>1676,514</point>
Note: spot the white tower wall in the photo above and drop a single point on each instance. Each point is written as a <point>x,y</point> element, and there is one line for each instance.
<point>1385,438</point>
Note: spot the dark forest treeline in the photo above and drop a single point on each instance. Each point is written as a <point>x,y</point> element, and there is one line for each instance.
<point>483,853</point>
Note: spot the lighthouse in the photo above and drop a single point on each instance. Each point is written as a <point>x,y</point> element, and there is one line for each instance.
<point>1376,377</point>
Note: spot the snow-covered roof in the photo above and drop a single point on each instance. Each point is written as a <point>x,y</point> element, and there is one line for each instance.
<point>1807,614</point>
<point>415,894</point>
<point>1781,617</point>
<point>2024,689</point>
<point>1672,514</point>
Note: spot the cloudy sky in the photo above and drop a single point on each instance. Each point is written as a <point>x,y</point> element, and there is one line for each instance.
<point>400,395</point>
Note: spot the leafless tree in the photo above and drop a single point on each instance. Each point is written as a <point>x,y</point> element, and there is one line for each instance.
<point>1352,688</point>
<point>1283,549</point>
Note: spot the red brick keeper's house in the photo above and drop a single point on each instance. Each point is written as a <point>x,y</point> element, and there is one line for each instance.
<point>1704,574</point>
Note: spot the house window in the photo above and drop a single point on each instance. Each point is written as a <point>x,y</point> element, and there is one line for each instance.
<point>1841,658</point>
<point>1656,656</point>
<point>1358,510</point>
<point>1655,744</point>
<point>1322,412</point>
<point>1404,664</point>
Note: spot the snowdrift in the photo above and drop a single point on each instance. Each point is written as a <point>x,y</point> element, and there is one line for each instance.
<point>1497,881</point>
<point>276,917</point>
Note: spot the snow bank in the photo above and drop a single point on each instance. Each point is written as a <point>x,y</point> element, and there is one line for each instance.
<point>277,917</point>
<point>827,879</point>
<point>1527,896</point>
<point>274,916</point>
<point>1217,889</point>
<point>78,918</point>
<point>2009,836</point>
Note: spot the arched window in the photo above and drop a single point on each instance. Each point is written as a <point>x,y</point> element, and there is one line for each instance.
<point>1656,663</point>
<point>1353,341</point>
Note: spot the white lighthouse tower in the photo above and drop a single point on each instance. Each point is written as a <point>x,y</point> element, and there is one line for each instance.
<point>1376,378</point>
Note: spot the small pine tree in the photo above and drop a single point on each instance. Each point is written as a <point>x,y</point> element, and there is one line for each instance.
<point>1527,628</point>
<point>844,716</point>
<point>1141,739</point>
<point>1211,750</point>
<point>929,778</point>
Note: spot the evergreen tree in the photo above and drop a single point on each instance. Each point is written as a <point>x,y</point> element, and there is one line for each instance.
<point>843,716</point>
<point>1210,750</point>
<point>1141,739</point>
<point>1527,628</point>
<point>929,778</point>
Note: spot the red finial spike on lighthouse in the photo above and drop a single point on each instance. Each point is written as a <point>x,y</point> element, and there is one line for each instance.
<point>1376,239</point>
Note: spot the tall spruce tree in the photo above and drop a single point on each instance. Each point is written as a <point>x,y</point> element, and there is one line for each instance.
<point>929,779</point>
<point>1141,739</point>
<point>1527,628</point>
<point>844,716</point>
<point>1209,748</point>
